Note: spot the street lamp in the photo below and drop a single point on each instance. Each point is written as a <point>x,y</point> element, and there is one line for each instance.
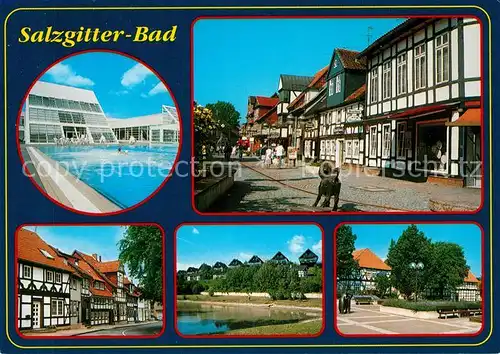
<point>416,266</point>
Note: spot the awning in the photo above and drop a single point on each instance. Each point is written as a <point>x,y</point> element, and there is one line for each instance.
<point>471,118</point>
<point>418,111</point>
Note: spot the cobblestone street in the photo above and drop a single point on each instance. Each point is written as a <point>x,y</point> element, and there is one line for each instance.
<point>294,189</point>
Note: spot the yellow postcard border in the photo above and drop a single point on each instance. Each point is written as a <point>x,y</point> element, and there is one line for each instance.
<point>353,7</point>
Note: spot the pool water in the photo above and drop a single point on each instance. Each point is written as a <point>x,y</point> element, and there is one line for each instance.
<point>125,179</point>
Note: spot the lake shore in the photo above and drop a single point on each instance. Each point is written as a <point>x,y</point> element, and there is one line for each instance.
<point>309,304</point>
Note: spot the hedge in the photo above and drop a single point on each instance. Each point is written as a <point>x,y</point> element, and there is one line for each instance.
<point>432,305</point>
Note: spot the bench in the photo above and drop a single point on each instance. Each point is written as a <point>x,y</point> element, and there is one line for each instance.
<point>447,312</point>
<point>364,301</point>
<point>469,312</point>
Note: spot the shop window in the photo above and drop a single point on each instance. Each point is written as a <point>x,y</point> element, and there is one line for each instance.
<point>356,148</point>
<point>349,148</point>
<point>431,147</point>
<point>386,140</point>
<point>400,139</point>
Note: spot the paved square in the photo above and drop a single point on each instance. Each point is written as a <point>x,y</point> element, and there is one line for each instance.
<point>369,320</point>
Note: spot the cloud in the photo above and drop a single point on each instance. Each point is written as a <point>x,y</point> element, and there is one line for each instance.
<point>119,93</point>
<point>185,266</point>
<point>296,244</point>
<point>195,231</point>
<point>159,88</point>
<point>63,74</point>
<point>318,248</point>
<point>244,256</point>
<point>135,75</point>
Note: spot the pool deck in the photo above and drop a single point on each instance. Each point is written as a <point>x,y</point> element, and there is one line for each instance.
<point>62,186</point>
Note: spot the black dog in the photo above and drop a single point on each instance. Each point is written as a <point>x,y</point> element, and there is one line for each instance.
<point>329,186</point>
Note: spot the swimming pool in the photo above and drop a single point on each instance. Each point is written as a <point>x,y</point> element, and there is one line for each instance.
<point>124,178</point>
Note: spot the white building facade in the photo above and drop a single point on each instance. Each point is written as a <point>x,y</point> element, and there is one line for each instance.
<point>423,99</point>
<point>155,128</point>
<point>57,111</point>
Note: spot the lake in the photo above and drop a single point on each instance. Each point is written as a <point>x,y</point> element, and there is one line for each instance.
<point>195,319</point>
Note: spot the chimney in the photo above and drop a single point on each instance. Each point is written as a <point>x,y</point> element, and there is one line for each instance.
<point>99,258</point>
<point>95,256</point>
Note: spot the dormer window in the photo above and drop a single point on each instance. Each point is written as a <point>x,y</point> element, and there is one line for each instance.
<point>46,254</point>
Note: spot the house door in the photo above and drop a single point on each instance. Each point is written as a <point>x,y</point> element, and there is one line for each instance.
<point>86,311</point>
<point>341,153</point>
<point>36,315</point>
<point>473,173</point>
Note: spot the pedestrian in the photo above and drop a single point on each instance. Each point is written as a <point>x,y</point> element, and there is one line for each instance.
<point>280,151</point>
<point>269,157</point>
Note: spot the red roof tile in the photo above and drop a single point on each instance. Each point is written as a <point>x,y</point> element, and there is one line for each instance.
<point>30,246</point>
<point>98,292</point>
<point>318,81</point>
<point>109,267</point>
<point>356,94</point>
<point>470,278</point>
<point>367,259</point>
<point>349,59</point>
<point>266,101</point>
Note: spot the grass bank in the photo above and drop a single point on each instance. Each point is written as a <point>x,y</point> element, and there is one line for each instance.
<point>303,328</point>
<point>317,303</point>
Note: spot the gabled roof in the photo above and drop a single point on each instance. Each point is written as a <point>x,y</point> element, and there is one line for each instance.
<point>204,266</point>
<point>394,34</point>
<point>317,82</point>
<point>470,278</point>
<point>219,265</point>
<point>280,257</point>
<point>235,262</point>
<point>109,267</point>
<point>103,293</point>
<point>349,59</point>
<point>192,270</point>
<point>271,116</point>
<point>255,259</point>
<point>318,103</point>
<point>93,264</point>
<point>266,101</point>
<point>367,259</point>
<point>30,247</point>
<point>308,257</point>
<point>358,94</point>
<point>294,82</point>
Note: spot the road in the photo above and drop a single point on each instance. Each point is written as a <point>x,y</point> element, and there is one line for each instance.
<point>148,329</point>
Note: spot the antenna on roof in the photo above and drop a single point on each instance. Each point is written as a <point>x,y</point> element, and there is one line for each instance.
<point>369,35</point>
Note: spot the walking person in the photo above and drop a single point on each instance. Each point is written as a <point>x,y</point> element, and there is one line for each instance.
<point>268,157</point>
<point>280,152</point>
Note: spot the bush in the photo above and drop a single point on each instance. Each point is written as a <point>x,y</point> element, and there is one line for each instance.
<point>211,292</point>
<point>431,305</point>
<point>197,288</point>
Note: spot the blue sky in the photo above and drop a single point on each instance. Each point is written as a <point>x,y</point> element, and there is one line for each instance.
<point>124,87</point>
<point>378,237</point>
<point>234,59</point>
<point>211,243</point>
<point>88,239</point>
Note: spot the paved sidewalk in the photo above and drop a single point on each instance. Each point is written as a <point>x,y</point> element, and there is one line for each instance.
<point>373,193</point>
<point>81,331</point>
<point>369,320</point>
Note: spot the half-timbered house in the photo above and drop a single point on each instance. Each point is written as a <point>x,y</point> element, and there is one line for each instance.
<point>279,258</point>
<point>423,100</point>
<point>258,106</point>
<point>255,260</point>
<point>98,305</point>
<point>340,127</point>
<point>297,109</point>
<point>132,300</point>
<point>235,263</point>
<point>219,268</point>
<point>289,88</point>
<point>44,284</point>
<point>307,260</point>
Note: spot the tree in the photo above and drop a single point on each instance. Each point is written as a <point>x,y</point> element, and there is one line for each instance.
<point>448,267</point>
<point>141,251</point>
<point>411,247</point>
<point>347,267</point>
<point>225,113</point>
<point>205,128</point>
<point>382,285</point>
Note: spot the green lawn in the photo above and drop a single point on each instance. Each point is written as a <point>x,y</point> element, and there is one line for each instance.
<point>253,300</point>
<point>312,327</point>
